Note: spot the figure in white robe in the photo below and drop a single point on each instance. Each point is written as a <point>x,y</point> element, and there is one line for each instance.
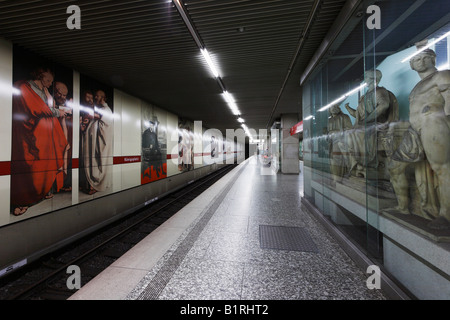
<point>98,146</point>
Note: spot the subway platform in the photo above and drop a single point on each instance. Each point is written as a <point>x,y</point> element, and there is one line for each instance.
<point>245,238</point>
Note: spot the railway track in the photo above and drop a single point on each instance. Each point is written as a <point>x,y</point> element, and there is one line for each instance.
<point>47,278</point>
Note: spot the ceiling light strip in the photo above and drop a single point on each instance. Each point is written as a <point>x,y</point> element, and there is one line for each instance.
<point>211,65</point>
<point>342,98</point>
<point>426,47</point>
<point>188,23</point>
<point>228,97</point>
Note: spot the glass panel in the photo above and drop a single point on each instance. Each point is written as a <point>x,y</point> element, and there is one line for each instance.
<point>376,125</point>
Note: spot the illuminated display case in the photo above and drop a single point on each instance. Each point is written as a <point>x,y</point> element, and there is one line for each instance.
<point>376,114</point>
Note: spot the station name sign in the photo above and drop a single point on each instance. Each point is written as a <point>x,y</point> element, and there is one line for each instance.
<point>297,128</point>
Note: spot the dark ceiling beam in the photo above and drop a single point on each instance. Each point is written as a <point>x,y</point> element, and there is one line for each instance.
<point>383,35</point>
<point>313,13</point>
<point>426,32</point>
<point>348,12</point>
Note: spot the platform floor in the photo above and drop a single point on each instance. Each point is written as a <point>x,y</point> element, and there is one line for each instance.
<point>226,245</point>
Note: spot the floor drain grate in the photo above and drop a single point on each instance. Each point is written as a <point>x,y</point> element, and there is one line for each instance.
<point>286,238</point>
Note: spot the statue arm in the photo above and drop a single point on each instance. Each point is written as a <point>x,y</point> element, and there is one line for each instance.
<point>350,110</point>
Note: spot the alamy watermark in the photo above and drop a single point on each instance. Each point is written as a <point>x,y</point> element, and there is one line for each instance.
<point>74,21</point>
<point>74,280</point>
<point>374,280</point>
<point>374,21</point>
<point>231,146</point>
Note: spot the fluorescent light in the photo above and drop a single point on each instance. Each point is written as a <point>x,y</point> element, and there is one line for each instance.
<point>210,62</point>
<point>9,89</point>
<point>328,106</point>
<point>355,90</point>
<point>307,118</point>
<point>234,109</point>
<point>231,103</point>
<point>71,104</point>
<point>426,47</point>
<point>241,120</point>
<point>88,110</point>
<point>247,131</point>
<point>228,97</point>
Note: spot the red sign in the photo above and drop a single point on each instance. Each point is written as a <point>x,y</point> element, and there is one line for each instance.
<point>128,159</point>
<point>297,128</point>
<point>5,168</point>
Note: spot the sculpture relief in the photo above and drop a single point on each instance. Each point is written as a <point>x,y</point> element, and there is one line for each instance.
<point>375,111</point>
<point>337,125</point>
<point>426,143</point>
<point>412,158</point>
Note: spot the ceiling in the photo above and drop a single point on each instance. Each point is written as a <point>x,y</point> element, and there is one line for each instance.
<point>144,48</point>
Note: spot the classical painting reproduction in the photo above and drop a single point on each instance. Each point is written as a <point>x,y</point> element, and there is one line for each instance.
<point>154,144</point>
<point>96,137</point>
<point>185,145</point>
<point>42,122</point>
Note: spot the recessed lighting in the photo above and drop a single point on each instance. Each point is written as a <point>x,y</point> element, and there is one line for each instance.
<point>210,62</point>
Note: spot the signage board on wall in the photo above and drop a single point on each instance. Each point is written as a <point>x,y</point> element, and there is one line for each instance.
<point>297,128</point>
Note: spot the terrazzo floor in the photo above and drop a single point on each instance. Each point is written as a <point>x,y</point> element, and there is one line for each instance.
<point>219,257</point>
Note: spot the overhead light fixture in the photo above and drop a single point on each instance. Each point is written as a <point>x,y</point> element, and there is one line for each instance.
<point>247,131</point>
<point>234,109</point>
<point>228,97</point>
<point>214,70</point>
<point>426,47</point>
<point>211,65</point>
<point>328,106</point>
<point>231,103</point>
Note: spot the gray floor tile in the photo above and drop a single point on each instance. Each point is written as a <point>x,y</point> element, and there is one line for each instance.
<point>205,280</point>
<point>227,262</point>
<point>262,282</point>
<point>228,246</point>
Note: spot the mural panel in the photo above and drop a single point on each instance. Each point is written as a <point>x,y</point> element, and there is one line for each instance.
<point>154,144</point>
<point>41,154</point>
<point>96,137</point>
<point>185,145</point>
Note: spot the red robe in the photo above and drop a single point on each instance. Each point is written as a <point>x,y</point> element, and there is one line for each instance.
<point>38,144</point>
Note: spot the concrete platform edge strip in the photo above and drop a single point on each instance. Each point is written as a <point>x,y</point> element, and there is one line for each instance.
<point>157,284</point>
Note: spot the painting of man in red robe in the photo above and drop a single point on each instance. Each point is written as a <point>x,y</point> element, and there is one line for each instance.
<point>38,142</point>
